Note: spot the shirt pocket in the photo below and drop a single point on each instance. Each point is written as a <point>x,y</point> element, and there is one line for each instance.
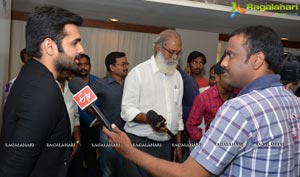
<point>176,95</point>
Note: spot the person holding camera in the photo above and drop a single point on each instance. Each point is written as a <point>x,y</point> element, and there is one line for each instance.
<point>253,134</point>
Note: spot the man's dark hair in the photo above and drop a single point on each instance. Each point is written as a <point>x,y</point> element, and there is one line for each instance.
<point>22,55</point>
<point>212,68</point>
<point>48,22</point>
<point>111,58</point>
<point>263,39</point>
<point>218,68</point>
<point>195,54</point>
<point>85,56</point>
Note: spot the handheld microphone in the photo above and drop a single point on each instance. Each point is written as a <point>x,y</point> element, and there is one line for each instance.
<point>85,97</point>
<point>158,121</point>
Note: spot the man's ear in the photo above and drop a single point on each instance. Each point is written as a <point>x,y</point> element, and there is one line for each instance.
<point>111,67</point>
<point>48,47</point>
<point>157,48</point>
<point>257,60</point>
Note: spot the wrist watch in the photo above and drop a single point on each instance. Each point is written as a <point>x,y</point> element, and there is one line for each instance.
<point>77,142</point>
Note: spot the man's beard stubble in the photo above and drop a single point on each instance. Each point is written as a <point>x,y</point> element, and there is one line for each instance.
<point>65,62</point>
<point>165,66</point>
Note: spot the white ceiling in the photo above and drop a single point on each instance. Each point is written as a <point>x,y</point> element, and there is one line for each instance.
<point>182,14</point>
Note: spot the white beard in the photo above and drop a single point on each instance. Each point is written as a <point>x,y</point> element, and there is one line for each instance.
<point>166,66</point>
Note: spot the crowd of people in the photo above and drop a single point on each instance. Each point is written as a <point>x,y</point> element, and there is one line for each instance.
<point>166,121</point>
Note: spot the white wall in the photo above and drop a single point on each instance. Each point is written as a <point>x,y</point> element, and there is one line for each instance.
<point>17,44</point>
<point>204,42</point>
<point>5,19</point>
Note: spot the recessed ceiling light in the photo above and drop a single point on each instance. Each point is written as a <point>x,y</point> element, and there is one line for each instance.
<point>284,38</point>
<point>114,20</point>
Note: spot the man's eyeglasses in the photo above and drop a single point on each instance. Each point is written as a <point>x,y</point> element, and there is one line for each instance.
<point>172,53</point>
<point>122,64</point>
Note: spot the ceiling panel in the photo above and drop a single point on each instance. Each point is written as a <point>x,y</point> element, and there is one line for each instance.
<point>183,14</point>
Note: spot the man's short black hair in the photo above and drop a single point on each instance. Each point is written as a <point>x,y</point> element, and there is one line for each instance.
<point>48,22</point>
<point>23,54</point>
<point>85,56</point>
<point>111,58</point>
<point>263,39</point>
<point>195,54</point>
<point>218,68</point>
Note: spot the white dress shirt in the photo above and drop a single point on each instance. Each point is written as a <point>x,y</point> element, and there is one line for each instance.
<point>71,105</point>
<point>146,88</point>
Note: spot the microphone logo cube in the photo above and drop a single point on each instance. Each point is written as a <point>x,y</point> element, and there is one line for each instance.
<point>84,97</point>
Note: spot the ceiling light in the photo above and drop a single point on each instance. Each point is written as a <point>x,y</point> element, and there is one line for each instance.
<point>284,38</point>
<point>114,20</point>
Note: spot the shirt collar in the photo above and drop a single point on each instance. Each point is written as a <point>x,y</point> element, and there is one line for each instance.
<point>263,82</point>
<point>66,85</point>
<point>153,64</point>
<point>215,90</point>
<point>110,79</point>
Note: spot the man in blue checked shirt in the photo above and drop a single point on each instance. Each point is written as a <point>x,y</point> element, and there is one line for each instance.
<point>254,134</point>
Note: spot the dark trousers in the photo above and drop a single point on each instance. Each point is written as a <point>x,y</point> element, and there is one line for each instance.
<point>85,163</point>
<point>185,140</point>
<point>157,149</point>
<point>76,166</point>
<point>110,161</point>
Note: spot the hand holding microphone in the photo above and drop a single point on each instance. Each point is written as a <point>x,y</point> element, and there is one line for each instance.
<point>158,122</point>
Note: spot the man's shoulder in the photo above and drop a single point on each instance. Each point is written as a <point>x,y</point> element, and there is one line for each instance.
<point>209,90</point>
<point>36,81</point>
<point>144,64</point>
<point>104,80</point>
<point>205,95</point>
<point>93,78</point>
<point>141,70</point>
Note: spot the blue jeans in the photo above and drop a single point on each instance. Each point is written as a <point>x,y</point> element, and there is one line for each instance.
<point>110,161</point>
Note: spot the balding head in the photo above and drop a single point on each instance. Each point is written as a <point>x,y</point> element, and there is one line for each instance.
<point>166,36</point>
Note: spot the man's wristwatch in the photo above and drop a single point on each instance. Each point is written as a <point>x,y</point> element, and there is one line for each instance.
<point>77,142</point>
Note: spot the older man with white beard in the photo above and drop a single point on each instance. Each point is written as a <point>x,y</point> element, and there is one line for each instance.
<point>155,85</point>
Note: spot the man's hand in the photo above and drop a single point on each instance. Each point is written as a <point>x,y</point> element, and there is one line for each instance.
<point>119,140</point>
<point>160,128</point>
<point>156,166</point>
<point>74,151</point>
<point>289,86</point>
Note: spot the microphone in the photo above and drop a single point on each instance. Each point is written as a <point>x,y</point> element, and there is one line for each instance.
<point>158,121</point>
<point>85,97</point>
